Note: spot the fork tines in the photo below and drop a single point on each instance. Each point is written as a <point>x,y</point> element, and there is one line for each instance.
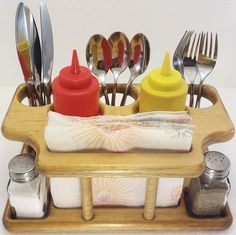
<point>207,55</point>
<point>194,56</point>
<point>210,51</point>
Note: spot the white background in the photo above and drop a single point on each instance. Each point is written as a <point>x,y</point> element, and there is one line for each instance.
<point>163,22</point>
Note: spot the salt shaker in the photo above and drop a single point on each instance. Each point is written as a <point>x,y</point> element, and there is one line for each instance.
<point>27,189</point>
<point>208,193</point>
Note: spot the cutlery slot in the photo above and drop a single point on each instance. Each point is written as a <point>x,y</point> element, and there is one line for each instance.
<point>208,94</point>
<point>209,98</point>
<point>23,97</point>
<point>121,110</point>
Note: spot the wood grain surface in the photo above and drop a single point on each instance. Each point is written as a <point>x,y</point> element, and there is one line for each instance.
<point>27,124</point>
<point>116,219</point>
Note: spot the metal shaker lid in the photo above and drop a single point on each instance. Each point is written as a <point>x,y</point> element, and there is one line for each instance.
<point>22,168</point>
<point>217,165</point>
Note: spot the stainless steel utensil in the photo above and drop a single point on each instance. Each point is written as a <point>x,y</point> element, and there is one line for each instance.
<point>98,56</point>
<point>47,52</point>
<point>24,52</point>
<point>29,53</point>
<point>139,59</point>
<point>207,56</point>
<point>190,63</point>
<point>35,51</point>
<point>178,54</point>
<point>120,56</point>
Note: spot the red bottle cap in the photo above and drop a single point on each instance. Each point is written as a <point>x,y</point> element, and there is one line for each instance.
<point>76,91</point>
<point>75,76</point>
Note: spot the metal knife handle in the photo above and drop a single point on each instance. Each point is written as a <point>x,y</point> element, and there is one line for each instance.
<point>30,94</point>
<point>47,90</point>
<point>39,94</point>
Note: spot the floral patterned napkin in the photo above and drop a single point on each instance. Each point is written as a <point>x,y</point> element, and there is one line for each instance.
<point>152,130</point>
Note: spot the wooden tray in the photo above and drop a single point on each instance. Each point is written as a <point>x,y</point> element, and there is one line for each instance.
<point>27,124</point>
<point>116,219</point>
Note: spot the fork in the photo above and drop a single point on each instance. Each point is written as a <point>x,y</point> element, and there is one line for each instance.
<point>178,54</point>
<point>190,62</point>
<point>206,61</point>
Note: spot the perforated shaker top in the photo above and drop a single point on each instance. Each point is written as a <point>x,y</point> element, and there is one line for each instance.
<point>22,168</point>
<point>217,164</point>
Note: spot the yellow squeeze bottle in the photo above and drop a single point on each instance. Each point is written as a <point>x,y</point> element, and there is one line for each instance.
<point>163,89</point>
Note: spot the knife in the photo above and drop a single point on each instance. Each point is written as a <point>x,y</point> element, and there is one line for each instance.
<point>35,51</point>
<point>24,53</point>
<point>47,51</point>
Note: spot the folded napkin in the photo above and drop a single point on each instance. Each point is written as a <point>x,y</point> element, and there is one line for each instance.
<point>66,192</point>
<point>152,130</point>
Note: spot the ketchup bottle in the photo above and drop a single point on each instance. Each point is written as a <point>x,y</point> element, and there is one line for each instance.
<point>76,91</point>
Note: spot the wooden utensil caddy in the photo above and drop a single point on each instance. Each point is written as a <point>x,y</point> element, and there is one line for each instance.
<point>26,124</point>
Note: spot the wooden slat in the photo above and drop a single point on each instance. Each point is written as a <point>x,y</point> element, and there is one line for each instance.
<point>87,197</point>
<point>116,219</point>
<point>150,200</point>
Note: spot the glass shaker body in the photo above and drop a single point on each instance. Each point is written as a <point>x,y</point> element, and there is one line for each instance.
<point>27,190</point>
<point>208,199</point>
<point>208,193</point>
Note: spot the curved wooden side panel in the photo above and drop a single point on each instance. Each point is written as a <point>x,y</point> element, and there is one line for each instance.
<point>27,124</point>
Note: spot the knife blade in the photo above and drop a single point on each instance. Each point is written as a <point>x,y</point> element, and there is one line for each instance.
<point>23,51</point>
<point>35,51</point>
<point>47,50</point>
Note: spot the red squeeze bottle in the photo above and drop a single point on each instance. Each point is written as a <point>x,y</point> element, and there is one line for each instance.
<point>76,91</point>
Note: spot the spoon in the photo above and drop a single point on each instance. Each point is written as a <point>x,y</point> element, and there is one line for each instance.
<point>98,56</point>
<point>139,59</point>
<point>120,54</point>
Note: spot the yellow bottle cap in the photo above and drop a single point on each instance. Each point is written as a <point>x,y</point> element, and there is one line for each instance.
<point>165,78</point>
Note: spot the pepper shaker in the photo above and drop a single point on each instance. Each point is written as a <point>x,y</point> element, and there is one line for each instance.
<point>208,193</point>
<point>27,189</point>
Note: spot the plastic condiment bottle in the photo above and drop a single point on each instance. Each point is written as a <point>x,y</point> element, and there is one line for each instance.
<point>76,91</point>
<point>163,89</point>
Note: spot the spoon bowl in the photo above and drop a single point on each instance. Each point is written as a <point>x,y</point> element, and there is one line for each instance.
<point>98,56</point>
<point>139,59</point>
<point>120,54</point>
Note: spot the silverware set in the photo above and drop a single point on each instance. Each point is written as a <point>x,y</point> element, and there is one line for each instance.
<point>117,54</point>
<point>195,56</point>
<point>36,59</point>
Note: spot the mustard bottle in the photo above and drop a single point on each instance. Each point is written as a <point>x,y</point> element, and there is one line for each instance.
<point>163,89</point>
